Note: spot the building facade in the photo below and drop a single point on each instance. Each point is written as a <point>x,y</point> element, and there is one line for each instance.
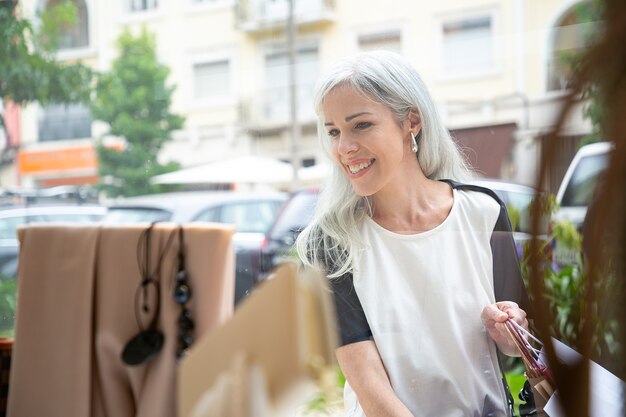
<point>493,68</point>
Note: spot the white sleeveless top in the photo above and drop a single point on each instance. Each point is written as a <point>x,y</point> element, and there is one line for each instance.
<point>423,295</point>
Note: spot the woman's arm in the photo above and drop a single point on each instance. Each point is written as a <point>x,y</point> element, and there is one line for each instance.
<point>493,317</point>
<point>366,374</point>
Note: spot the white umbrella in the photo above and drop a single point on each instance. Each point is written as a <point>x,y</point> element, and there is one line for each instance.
<point>244,169</point>
<point>314,173</point>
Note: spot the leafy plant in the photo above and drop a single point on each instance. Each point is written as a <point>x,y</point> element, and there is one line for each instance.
<point>8,300</point>
<point>546,202</point>
<point>134,100</point>
<point>515,216</point>
<point>516,380</point>
<point>565,279</point>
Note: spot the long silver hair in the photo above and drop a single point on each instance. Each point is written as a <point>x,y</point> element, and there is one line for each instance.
<point>332,239</point>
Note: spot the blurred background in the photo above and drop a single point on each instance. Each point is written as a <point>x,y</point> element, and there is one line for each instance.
<point>215,78</point>
<point>206,105</point>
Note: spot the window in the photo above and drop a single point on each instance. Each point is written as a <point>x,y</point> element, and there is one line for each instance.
<point>124,215</point>
<point>390,41</point>
<point>273,9</point>
<point>581,188</point>
<point>254,217</point>
<point>276,103</point>
<point>209,215</point>
<point>142,5</point>
<point>75,35</point>
<point>212,79</point>
<point>570,34</point>
<point>467,46</point>
<point>60,121</point>
<point>11,221</point>
<point>248,217</point>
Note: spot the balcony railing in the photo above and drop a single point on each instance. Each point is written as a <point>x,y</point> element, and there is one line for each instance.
<point>263,15</point>
<point>269,108</point>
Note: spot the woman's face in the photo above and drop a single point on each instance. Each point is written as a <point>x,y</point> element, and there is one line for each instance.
<point>369,145</point>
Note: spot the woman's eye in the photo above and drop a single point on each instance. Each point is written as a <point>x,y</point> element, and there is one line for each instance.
<point>363,125</point>
<point>333,133</point>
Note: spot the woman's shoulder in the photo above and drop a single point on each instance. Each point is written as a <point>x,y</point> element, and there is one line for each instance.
<point>476,192</point>
<point>477,195</point>
<point>479,204</point>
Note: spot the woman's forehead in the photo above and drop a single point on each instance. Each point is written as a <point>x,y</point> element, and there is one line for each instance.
<point>344,96</point>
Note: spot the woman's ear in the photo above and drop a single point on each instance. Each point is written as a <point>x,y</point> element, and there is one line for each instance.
<point>415,123</point>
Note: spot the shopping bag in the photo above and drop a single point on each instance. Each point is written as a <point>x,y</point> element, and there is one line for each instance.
<point>286,328</point>
<point>537,372</point>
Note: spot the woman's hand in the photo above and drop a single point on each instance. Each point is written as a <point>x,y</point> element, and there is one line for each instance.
<point>494,316</point>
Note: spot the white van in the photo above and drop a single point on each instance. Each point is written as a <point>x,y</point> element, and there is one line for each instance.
<point>578,187</point>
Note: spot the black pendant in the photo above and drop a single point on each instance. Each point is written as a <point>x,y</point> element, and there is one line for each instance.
<point>142,347</point>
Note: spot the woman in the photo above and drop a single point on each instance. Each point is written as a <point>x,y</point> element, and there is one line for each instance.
<point>411,259</point>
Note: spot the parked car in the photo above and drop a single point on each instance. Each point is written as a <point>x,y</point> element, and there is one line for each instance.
<point>579,184</point>
<point>14,216</point>
<point>252,214</point>
<point>294,215</point>
<point>519,197</point>
<point>514,195</point>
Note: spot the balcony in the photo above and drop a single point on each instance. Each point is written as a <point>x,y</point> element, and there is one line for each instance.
<point>268,110</point>
<point>261,16</point>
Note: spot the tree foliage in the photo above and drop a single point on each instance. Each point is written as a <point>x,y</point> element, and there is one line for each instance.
<point>589,12</point>
<point>29,71</point>
<point>134,100</point>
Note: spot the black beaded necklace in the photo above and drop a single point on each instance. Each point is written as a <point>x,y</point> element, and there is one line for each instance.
<point>182,295</point>
<point>149,341</point>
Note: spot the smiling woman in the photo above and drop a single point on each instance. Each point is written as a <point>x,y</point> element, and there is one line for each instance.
<point>423,268</point>
<point>366,139</point>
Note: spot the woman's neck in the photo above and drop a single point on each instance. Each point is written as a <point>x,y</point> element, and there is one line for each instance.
<point>412,206</point>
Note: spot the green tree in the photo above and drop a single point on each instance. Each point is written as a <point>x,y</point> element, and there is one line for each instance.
<point>134,100</point>
<point>29,71</point>
<point>589,12</point>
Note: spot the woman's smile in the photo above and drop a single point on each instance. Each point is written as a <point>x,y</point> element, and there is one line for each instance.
<point>359,168</point>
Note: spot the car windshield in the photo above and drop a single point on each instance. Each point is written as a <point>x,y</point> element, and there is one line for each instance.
<point>248,216</point>
<point>295,215</point>
<point>581,188</point>
<point>121,215</point>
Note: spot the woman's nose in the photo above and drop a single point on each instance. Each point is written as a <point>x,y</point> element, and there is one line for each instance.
<point>346,145</point>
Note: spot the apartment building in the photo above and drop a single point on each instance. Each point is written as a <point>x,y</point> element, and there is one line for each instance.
<point>492,66</point>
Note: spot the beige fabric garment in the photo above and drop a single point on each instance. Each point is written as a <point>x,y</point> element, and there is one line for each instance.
<point>92,380</point>
<point>52,355</point>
